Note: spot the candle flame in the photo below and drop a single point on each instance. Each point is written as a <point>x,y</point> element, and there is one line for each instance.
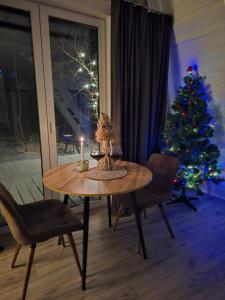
<point>81,138</point>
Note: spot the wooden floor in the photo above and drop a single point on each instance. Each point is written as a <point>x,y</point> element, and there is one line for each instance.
<point>190,267</point>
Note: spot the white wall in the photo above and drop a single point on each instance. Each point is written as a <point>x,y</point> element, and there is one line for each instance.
<point>199,39</point>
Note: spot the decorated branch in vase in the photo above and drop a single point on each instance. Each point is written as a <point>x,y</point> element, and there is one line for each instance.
<point>104,135</point>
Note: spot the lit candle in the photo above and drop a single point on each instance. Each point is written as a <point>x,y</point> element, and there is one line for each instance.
<point>81,148</point>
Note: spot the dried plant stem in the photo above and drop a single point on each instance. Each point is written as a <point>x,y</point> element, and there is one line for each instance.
<point>106,163</point>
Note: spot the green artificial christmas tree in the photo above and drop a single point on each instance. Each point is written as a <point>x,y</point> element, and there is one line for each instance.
<point>186,135</point>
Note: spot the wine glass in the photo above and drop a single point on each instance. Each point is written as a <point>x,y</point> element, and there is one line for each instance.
<point>116,152</point>
<point>96,152</point>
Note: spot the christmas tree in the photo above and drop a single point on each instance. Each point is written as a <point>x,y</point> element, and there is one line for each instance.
<point>186,135</point>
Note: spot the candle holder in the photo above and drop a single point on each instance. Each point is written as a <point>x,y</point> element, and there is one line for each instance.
<point>83,165</point>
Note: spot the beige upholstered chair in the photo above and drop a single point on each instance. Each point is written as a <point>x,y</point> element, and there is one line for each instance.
<point>164,169</point>
<point>37,222</point>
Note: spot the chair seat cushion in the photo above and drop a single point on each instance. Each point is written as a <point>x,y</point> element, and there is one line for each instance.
<point>48,218</point>
<point>147,197</point>
<point>152,195</point>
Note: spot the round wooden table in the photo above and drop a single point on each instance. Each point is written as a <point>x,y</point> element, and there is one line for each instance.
<point>67,180</point>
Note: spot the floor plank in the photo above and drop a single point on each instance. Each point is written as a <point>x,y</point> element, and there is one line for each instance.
<point>190,267</point>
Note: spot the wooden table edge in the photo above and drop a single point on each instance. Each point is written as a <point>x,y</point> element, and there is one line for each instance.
<point>61,191</point>
<point>96,195</point>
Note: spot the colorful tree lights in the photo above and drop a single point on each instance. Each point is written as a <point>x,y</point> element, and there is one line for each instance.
<point>187,134</point>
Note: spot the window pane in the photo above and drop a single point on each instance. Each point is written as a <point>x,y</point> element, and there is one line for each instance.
<point>20,162</point>
<point>74,54</point>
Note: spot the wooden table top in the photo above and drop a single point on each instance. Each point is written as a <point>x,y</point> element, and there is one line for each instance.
<point>67,180</point>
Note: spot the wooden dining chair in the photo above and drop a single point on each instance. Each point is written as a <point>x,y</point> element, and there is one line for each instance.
<point>37,222</point>
<point>164,169</point>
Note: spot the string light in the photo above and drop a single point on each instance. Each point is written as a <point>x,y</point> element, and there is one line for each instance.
<point>91,88</point>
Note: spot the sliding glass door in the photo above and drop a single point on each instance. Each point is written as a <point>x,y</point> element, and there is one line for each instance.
<point>52,87</point>
<point>73,48</point>
<point>21,106</point>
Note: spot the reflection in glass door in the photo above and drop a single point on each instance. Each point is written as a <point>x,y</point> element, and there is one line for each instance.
<point>20,158</point>
<point>74,57</point>
<point>72,45</point>
<point>75,83</point>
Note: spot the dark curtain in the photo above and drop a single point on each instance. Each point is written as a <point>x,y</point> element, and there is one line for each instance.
<point>140,42</point>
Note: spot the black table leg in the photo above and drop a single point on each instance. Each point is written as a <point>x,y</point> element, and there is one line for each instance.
<point>61,238</point>
<point>139,226</point>
<point>1,248</point>
<point>66,199</point>
<point>109,211</point>
<point>85,240</point>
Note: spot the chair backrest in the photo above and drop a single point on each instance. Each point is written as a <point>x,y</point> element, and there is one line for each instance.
<point>164,169</point>
<point>11,212</point>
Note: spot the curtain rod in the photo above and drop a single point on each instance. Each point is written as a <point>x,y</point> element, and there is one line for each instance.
<point>149,9</point>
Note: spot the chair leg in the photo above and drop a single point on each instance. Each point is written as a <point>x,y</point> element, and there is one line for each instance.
<point>15,255</point>
<point>117,217</point>
<point>139,246</point>
<point>139,241</point>
<point>109,211</point>
<point>166,220</point>
<point>61,241</point>
<point>145,213</point>
<point>29,265</point>
<point>73,246</point>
